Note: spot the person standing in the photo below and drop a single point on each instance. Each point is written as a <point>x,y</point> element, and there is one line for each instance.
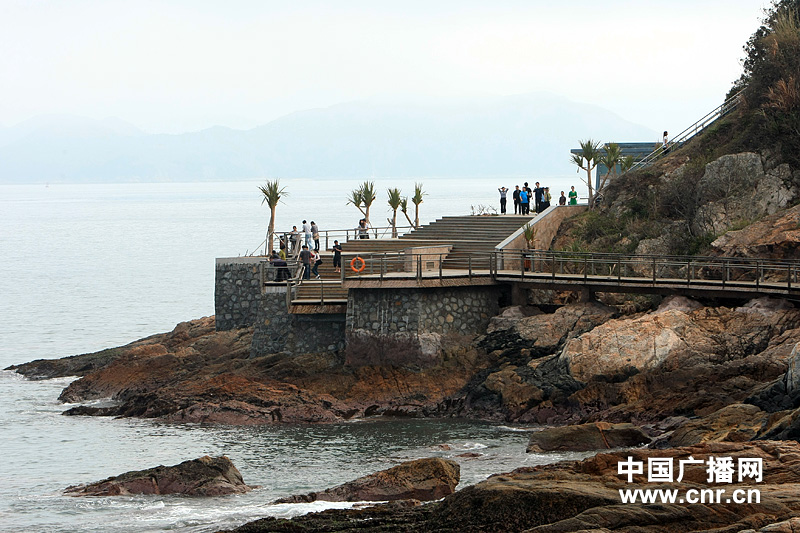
<point>363,229</point>
<point>524,202</point>
<point>315,235</point>
<point>665,144</point>
<point>337,256</point>
<point>546,198</point>
<point>307,233</point>
<point>503,191</point>
<point>315,261</point>
<point>537,195</point>
<point>305,259</point>
<point>295,240</point>
<point>517,210</point>
<point>562,200</point>
<point>573,196</point>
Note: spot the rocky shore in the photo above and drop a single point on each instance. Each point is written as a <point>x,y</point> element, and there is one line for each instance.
<point>682,378</point>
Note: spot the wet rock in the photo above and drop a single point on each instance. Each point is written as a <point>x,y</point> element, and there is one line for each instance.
<point>585,437</point>
<point>206,476</point>
<point>423,479</point>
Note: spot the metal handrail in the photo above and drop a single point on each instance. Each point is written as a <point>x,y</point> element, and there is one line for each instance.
<point>723,109</point>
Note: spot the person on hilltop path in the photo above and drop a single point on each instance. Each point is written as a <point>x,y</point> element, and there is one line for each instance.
<point>517,208</point>
<point>665,145</point>
<point>307,233</point>
<point>503,192</point>
<point>573,196</point>
<point>562,200</point>
<point>315,235</point>
<point>337,256</point>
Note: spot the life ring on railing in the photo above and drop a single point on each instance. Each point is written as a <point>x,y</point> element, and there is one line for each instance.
<point>359,260</point>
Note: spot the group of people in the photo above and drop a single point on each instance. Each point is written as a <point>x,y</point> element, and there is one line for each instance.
<point>305,244</point>
<point>540,195</point>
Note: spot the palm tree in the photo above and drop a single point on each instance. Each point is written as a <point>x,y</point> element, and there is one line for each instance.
<point>404,210</point>
<point>626,164</point>
<point>416,200</point>
<point>611,158</point>
<point>394,202</point>
<point>356,199</point>
<point>587,159</point>
<point>272,192</point>
<point>368,196</point>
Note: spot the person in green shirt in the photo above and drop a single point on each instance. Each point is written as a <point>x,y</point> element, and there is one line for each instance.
<point>573,196</point>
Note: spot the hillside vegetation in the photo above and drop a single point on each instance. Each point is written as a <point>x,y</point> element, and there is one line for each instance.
<point>744,167</point>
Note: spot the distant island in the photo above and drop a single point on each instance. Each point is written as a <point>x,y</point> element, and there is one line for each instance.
<point>490,136</point>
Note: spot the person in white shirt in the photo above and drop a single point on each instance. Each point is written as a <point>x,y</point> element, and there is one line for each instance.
<point>307,232</point>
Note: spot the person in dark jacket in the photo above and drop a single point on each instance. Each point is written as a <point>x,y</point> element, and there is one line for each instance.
<point>305,259</point>
<point>517,209</point>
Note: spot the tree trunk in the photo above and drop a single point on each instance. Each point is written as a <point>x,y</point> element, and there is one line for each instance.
<point>394,223</point>
<point>416,216</point>
<point>589,183</point>
<point>270,231</point>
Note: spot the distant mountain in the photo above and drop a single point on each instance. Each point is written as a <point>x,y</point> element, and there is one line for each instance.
<point>490,136</point>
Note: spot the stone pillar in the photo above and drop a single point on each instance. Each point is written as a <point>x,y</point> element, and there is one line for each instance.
<point>237,292</point>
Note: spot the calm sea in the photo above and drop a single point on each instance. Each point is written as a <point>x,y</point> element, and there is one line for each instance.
<point>86,267</point>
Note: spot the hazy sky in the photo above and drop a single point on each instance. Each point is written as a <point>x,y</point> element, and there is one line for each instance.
<point>173,66</point>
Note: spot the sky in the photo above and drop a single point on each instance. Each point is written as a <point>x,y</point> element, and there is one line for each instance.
<point>171,66</point>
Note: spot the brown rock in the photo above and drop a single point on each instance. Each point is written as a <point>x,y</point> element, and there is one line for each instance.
<point>206,476</point>
<point>423,479</point>
<point>774,237</point>
<point>585,437</point>
<point>733,423</point>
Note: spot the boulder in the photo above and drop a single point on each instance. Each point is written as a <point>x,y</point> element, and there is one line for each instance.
<point>774,237</point>
<point>733,423</point>
<point>586,437</point>
<point>206,476</point>
<point>423,479</point>
<point>544,334</point>
<point>737,188</point>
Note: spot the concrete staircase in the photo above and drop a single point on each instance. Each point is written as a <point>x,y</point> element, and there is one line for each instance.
<point>468,235</point>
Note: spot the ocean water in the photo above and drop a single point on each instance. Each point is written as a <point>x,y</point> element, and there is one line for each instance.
<point>86,267</point>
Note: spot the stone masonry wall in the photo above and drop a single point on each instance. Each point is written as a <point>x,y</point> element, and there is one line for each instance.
<point>276,330</point>
<point>407,326</point>
<point>237,292</point>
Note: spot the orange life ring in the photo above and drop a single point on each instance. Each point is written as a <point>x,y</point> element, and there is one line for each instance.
<point>353,264</point>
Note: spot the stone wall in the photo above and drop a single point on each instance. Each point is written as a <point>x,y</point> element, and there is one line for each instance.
<point>242,300</point>
<point>237,292</point>
<point>276,330</point>
<point>407,326</point>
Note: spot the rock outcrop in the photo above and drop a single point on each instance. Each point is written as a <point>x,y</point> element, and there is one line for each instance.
<point>587,437</point>
<point>206,476</point>
<point>774,237</point>
<point>423,480</point>
<point>585,496</point>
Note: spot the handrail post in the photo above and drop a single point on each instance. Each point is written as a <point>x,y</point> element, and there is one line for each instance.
<point>288,294</point>
<point>521,264</point>
<point>469,266</point>
<point>553,266</point>
<point>321,292</point>
<point>381,266</point>
<point>688,271</point>
<point>724,273</point>
<point>619,269</point>
<point>440,266</point>
<point>654,270</point>
<point>585,268</point>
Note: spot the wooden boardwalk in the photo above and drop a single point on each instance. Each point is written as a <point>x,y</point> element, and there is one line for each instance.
<point>710,276</point>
